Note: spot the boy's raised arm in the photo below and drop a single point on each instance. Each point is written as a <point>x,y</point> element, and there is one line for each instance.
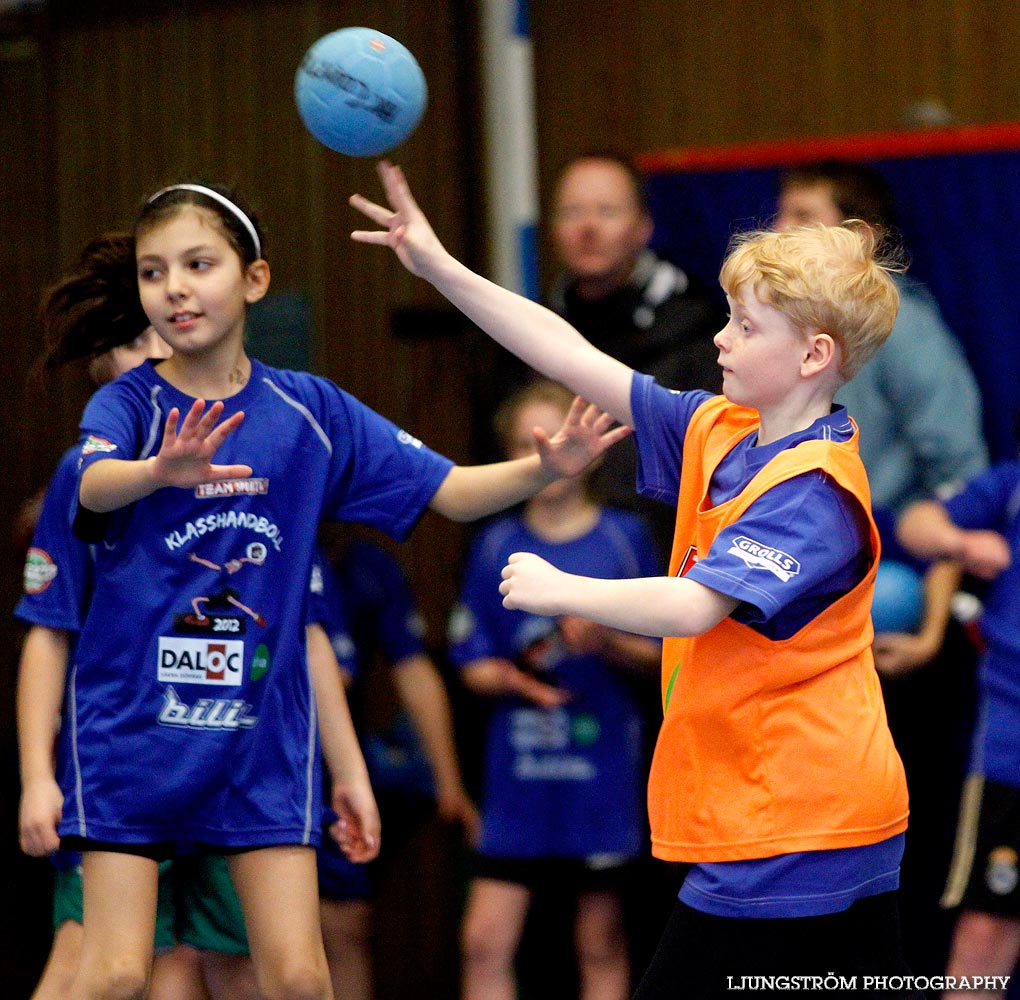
<point>535,334</point>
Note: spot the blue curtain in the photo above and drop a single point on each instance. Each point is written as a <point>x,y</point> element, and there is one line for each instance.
<point>959,214</point>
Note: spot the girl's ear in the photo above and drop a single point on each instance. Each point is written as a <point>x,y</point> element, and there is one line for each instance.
<point>257,278</point>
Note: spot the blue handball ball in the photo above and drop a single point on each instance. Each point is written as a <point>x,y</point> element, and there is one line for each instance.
<point>360,92</point>
<point>899,598</point>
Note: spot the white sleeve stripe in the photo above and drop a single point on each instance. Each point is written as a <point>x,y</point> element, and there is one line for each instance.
<point>304,411</point>
<point>157,416</point>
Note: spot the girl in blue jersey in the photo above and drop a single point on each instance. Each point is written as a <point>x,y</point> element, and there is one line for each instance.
<point>372,618</point>
<point>192,714</point>
<point>199,938</point>
<point>563,786</point>
<point>980,528</point>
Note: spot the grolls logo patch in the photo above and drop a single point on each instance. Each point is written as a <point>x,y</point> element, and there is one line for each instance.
<point>759,556</point>
<point>200,661</point>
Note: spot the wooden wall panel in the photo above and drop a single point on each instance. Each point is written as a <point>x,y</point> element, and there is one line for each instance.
<point>106,100</point>
<point>658,74</point>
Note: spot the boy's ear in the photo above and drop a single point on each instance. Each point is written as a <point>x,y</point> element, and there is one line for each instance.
<point>822,353</point>
<point>257,277</point>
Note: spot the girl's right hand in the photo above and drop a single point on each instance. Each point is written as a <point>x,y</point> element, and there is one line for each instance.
<point>185,456</point>
<point>407,232</point>
<point>41,804</point>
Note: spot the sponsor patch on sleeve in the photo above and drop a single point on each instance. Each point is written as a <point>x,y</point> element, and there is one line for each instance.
<point>95,444</point>
<point>758,556</point>
<point>40,571</point>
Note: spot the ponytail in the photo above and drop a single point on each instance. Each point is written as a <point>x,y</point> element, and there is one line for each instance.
<point>96,306</point>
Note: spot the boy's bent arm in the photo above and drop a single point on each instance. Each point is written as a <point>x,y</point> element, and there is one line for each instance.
<point>656,606</point>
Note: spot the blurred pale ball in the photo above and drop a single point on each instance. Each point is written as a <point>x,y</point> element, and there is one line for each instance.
<point>360,92</point>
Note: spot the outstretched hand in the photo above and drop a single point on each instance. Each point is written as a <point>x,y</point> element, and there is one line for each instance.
<point>585,434</point>
<point>185,456</point>
<point>405,229</point>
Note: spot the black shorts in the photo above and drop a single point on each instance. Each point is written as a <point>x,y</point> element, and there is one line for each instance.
<point>592,874</point>
<point>702,956</point>
<point>984,874</point>
<point>163,850</point>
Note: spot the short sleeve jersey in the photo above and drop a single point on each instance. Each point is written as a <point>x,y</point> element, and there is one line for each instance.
<point>991,502</point>
<point>558,782</point>
<point>58,577</point>
<point>58,567</point>
<point>190,698</point>
<point>328,609</point>
<point>797,549</point>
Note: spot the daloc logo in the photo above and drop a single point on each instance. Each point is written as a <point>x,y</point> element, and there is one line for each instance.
<point>200,661</point>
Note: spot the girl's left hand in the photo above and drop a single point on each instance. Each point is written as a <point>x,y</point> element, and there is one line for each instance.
<point>585,434</point>
<point>532,584</point>
<point>358,829</point>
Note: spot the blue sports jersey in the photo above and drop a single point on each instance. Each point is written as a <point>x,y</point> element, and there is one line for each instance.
<point>388,628</point>
<point>991,502</point>
<point>58,568</point>
<point>567,781</point>
<point>58,577</point>
<point>190,704</point>
<point>328,608</point>
<point>383,612</point>
<point>816,540</point>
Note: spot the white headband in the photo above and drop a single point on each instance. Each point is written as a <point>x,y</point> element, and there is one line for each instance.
<point>225,202</point>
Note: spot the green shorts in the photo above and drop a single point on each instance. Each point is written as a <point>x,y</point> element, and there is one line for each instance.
<point>208,911</point>
<point>67,903</point>
<point>196,905</point>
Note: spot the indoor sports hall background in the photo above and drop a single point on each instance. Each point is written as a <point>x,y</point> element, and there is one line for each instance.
<point>103,100</point>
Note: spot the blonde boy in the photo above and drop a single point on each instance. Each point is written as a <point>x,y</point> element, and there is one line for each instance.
<point>774,772</point>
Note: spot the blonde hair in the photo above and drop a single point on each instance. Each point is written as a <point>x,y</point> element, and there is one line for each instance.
<point>825,279</point>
